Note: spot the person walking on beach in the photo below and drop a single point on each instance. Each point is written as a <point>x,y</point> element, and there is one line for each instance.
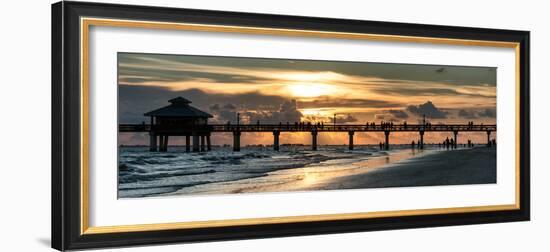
<point>380,145</point>
<point>412,144</point>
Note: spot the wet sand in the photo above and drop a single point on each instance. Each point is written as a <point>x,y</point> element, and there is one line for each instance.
<point>456,167</point>
<point>399,168</point>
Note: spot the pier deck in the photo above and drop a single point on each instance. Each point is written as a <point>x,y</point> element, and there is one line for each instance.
<point>163,131</point>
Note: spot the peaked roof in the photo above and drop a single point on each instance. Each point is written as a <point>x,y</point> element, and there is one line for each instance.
<point>179,107</point>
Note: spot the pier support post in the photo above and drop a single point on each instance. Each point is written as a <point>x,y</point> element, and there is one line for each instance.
<point>387,142</point>
<point>421,144</point>
<point>236,141</point>
<point>351,133</point>
<point>161,143</point>
<point>187,143</point>
<point>208,143</point>
<point>165,144</point>
<point>195,142</point>
<point>276,134</point>
<point>203,143</point>
<point>488,138</point>
<point>152,142</point>
<point>456,138</point>
<point>314,140</point>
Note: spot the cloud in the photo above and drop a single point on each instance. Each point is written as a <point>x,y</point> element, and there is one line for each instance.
<point>398,114</point>
<point>346,119</point>
<point>387,118</point>
<point>215,107</point>
<point>287,112</point>
<point>223,114</point>
<point>467,114</point>
<point>347,103</point>
<point>472,114</point>
<point>230,106</point>
<point>428,109</point>
<point>488,113</point>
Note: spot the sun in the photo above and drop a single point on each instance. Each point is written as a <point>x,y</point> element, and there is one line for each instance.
<point>309,90</point>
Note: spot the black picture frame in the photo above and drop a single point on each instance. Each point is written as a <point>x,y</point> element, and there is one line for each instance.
<point>66,142</point>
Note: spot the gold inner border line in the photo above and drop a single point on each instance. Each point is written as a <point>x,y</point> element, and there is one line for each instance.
<point>86,23</point>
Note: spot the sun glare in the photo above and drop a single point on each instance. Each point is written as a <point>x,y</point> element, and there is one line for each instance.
<point>309,90</point>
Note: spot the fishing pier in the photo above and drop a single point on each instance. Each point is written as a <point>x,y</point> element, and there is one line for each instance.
<point>181,119</point>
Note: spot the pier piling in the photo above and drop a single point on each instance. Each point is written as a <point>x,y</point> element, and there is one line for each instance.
<point>387,142</point>
<point>165,144</point>
<point>152,142</point>
<point>187,143</point>
<point>195,142</point>
<point>421,143</point>
<point>236,141</point>
<point>314,139</point>
<point>208,143</point>
<point>203,143</point>
<point>276,134</point>
<point>456,138</point>
<point>488,138</point>
<point>351,133</point>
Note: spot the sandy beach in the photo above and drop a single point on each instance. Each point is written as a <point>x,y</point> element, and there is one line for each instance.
<point>331,168</point>
<point>456,167</point>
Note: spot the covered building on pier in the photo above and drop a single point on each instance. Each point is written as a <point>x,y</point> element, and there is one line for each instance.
<point>179,119</point>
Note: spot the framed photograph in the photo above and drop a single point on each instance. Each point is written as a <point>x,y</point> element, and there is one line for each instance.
<point>180,125</point>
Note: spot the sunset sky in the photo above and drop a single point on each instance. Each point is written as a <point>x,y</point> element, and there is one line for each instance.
<point>280,90</point>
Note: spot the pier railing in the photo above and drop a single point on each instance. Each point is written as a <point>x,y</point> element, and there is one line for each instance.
<point>312,127</point>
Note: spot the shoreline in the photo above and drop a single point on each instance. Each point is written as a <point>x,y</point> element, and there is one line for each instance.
<point>424,168</point>
<point>396,168</point>
<point>454,167</point>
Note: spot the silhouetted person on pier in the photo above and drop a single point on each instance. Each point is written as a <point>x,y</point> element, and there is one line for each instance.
<point>405,124</point>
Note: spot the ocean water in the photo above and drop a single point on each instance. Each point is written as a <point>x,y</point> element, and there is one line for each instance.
<point>254,169</point>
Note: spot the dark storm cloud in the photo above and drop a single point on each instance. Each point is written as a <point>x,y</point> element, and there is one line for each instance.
<point>428,109</point>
